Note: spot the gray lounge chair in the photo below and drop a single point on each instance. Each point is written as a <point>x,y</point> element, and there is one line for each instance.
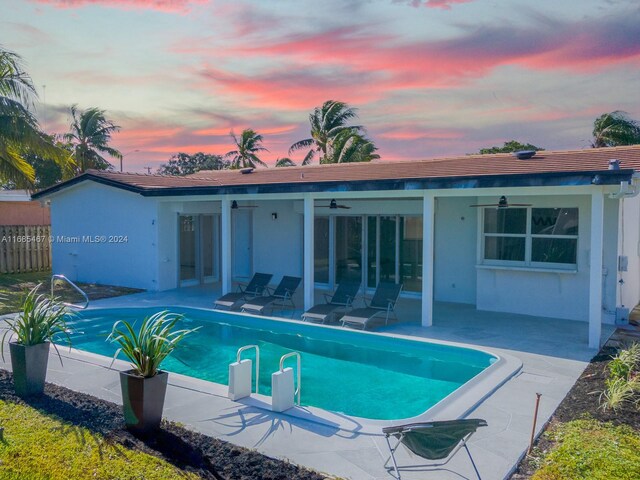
<point>340,301</point>
<point>432,441</point>
<point>281,297</point>
<point>383,303</point>
<point>254,288</point>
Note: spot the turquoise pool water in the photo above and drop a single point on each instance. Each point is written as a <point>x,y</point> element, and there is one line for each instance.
<point>343,371</point>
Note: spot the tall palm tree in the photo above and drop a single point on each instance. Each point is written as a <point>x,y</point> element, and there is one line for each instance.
<point>248,145</point>
<point>613,129</point>
<point>347,147</point>
<point>326,123</point>
<point>89,137</point>
<point>285,162</point>
<point>20,133</point>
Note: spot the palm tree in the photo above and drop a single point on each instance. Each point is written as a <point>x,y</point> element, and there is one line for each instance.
<point>248,145</point>
<point>326,123</point>
<point>285,162</point>
<point>615,128</point>
<point>347,147</point>
<point>89,137</point>
<point>20,133</point>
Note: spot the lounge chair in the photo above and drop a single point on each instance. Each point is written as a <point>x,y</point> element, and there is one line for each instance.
<point>254,288</point>
<point>340,301</point>
<point>383,303</point>
<point>432,441</point>
<point>281,297</point>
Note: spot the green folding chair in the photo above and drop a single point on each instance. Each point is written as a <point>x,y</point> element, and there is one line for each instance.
<point>432,441</point>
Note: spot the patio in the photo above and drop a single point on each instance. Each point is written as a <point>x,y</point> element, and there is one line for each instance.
<point>553,353</point>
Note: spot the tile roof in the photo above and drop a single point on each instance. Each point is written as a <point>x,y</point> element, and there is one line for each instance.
<point>468,166</point>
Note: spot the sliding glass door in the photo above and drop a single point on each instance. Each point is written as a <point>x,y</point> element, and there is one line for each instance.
<point>198,248</point>
<point>369,249</point>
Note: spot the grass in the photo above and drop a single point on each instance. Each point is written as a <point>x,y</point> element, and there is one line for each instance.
<point>591,449</point>
<point>15,286</point>
<point>40,446</point>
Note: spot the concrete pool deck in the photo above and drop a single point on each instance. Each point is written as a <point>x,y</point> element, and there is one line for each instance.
<point>553,353</point>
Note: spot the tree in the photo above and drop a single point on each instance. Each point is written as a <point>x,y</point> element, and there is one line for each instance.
<point>285,162</point>
<point>326,123</point>
<point>509,147</point>
<point>90,136</point>
<point>347,147</point>
<point>615,128</point>
<point>184,164</point>
<point>20,134</point>
<point>248,146</point>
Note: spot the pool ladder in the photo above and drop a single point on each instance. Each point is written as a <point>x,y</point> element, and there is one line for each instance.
<point>285,390</point>
<point>57,278</point>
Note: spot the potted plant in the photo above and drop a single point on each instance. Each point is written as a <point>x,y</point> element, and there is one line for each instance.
<point>144,386</point>
<point>42,321</point>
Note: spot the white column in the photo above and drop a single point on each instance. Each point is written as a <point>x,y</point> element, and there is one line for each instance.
<point>428,219</point>
<point>595,272</point>
<point>225,246</point>
<point>309,294</point>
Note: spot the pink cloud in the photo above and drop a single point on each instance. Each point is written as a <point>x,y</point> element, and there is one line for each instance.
<point>159,5</point>
<point>444,4</point>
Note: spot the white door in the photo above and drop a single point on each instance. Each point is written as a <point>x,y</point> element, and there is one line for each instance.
<point>242,244</point>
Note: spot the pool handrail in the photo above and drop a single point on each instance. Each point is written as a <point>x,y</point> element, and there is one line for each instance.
<point>58,276</point>
<point>239,354</point>
<point>299,387</point>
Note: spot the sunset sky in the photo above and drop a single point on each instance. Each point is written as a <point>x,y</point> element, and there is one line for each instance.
<point>429,78</point>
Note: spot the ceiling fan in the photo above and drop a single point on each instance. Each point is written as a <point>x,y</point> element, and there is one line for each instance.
<point>235,206</point>
<point>333,205</point>
<point>502,203</point>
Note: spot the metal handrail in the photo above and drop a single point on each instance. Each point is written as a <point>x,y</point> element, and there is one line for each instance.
<point>76,287</point>
<point>282,359</point>
<point>247,347</point>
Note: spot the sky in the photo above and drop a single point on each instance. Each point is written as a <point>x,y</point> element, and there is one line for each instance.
<point>429,78</point>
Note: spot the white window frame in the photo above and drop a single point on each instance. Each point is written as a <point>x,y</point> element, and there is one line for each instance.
<point>528,236</point>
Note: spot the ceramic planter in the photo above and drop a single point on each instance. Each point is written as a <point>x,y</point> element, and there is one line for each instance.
<point>29,364</point>
<point>143,400</point>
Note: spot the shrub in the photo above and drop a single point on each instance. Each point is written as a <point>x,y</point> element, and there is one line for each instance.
<point>149,346</point>
<point>43,318</point>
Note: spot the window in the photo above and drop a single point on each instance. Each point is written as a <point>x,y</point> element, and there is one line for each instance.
<point>538,237</point>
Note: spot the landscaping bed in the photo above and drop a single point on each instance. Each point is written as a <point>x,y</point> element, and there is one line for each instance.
<point>193,454</point>
<point>583,440</point>
<point>14,286</point>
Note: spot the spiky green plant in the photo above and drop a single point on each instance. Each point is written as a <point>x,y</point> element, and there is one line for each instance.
<point>151,344</point>
<point>619,392</point>
<point>43,318</point>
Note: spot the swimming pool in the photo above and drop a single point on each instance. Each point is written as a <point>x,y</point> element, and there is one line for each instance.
<point>369,376</point>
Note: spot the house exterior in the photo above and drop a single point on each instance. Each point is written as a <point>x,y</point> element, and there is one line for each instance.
<point>555,235</point>
<point>16,208</point>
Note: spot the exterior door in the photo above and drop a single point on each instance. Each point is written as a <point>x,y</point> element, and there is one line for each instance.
<point>242,244</point>
<point>198,249</point>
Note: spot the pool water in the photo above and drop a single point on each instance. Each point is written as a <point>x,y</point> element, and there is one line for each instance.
<point>370,376</point>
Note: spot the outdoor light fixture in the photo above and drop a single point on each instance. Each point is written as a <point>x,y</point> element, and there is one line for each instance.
<point>234,205</point>
<point>333,204</point>
<point>274,216</point>
<point>502,203</point>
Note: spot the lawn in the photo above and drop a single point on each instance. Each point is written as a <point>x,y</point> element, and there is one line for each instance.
<point>13,287</point>
<point>40,446</point>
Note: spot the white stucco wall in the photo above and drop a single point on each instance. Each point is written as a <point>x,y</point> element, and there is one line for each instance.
<point>277,244</point>
<point>456,225</point>
<point>551,294</point>
<point>90,209</point>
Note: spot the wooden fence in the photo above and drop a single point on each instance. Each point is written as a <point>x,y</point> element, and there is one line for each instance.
<point>25,248</point>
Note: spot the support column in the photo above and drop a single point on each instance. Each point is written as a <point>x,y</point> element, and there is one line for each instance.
<point>595,271</point>
<point>428,220</point>
<point>308,261</point>
<point>225,246</point>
